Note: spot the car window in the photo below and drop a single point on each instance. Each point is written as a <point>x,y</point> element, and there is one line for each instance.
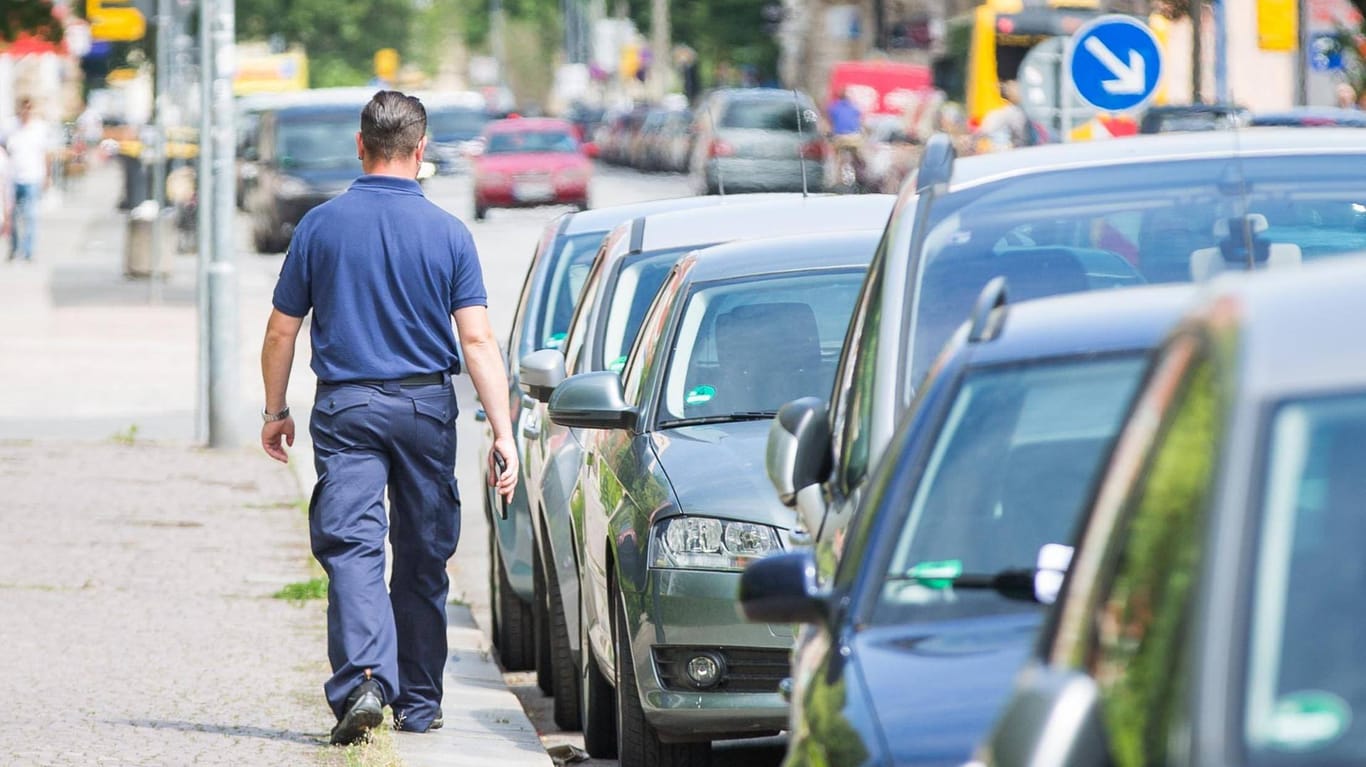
<point>1077,230</point>
<point>854,406</point>
<point>1010,471</point>
<point>455,124</point>
<point>775,114</point>
<point>1144,601</point>
<point>516,142</point>
<point>749,346</point>
<point>320,142</point>
<point>647,352</point>
<point>1306,689</point>
<point>578,324</point>
<point>627,299</point>
<point>571,261</point>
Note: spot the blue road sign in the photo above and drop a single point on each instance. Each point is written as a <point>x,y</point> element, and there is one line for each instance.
<point>1115,63</point>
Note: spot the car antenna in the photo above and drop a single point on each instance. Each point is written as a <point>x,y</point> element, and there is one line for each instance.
<point>801,161</point>
<point>720,176</point>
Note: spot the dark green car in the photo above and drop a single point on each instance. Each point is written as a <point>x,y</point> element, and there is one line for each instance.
<point>673,495</point>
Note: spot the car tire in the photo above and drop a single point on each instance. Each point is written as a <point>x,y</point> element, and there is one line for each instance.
<point>597,706</point>
<point>541,626</point>
<point>639,743</point>
<point>480,212</point>
<point>565,676</point>
<point>512,619</point>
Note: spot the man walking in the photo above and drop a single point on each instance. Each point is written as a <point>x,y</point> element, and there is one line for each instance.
<point>29,147</point>
<point>384,270</point>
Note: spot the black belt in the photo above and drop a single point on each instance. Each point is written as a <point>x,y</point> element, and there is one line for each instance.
<point>422,379</point>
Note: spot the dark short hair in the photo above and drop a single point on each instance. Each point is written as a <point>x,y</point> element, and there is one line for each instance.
<point>392,124</point>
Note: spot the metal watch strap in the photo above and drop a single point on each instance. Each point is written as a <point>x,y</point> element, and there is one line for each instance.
<point>268,416</point>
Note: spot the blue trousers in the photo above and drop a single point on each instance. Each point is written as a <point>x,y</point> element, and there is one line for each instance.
<point>367,438</point>
<point>24,227</point>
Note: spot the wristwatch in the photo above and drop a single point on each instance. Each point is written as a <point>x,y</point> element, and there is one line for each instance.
<point>268,416</point>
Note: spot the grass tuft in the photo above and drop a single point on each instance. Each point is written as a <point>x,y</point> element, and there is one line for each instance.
<point>126,437</point>
<point>313,588</point>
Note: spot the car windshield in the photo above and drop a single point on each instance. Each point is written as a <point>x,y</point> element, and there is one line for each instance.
<point>776,114</point>
<point>627,301</point>
<point>746,347</point>
<point>572,262</point>
<point>519,142</point>
<point>1089,228</point>
<point>1306,686</point>
<point>1009,473</point>
<point>456,124</point>
<point>319,141</point>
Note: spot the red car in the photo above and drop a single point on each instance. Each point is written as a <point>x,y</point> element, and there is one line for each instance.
<point>528,162</point>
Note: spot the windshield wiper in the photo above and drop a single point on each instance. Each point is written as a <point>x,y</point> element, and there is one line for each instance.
<point>743,415</point>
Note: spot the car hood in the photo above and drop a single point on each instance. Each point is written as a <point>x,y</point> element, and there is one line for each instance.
<point>539,161</point>
<point>717,470</point>
<point>936,688</point>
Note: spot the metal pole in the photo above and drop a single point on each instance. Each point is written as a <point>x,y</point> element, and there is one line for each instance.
<point>1302,53</point>
<point>223,268</point>
<point>204,212</point>
<point>661,60</point>
<point>1221,51</point>
<point>163,72</point>
<point>496,41</point>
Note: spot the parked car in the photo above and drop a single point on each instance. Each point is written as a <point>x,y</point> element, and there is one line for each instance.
<point>670,149</point>
<point>672,492</point>
<point>1151,209</point>
<point>455,122</point>
<point>530,162</point>
<point>518,597</point>
<point>625,276</point>
<point>305,156</point>
<point>1193,117</point>
<point>900,663</point>
<point>757,140</point>
<point>1208,617</point>
<point>615,134</point>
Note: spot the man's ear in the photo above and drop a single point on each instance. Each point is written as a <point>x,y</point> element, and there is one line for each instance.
<point>360,147</point>
<point>421,149</point>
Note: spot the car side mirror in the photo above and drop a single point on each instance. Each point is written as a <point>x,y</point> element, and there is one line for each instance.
<point>426,170</point>
<point>782,588</point>
<point>799,459</point>
<point>592,401</point>
<point>540,372</point>
<point>1053,719</point>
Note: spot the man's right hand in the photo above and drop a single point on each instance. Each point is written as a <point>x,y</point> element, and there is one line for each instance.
<point>275,435</point>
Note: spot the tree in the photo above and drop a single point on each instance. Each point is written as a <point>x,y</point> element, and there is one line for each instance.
<point>340,36</point>
<point>33,17</point>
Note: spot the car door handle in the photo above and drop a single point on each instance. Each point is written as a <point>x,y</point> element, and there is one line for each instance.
<point>531,426</point>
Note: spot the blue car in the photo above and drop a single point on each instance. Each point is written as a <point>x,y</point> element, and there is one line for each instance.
<point>908,655</point>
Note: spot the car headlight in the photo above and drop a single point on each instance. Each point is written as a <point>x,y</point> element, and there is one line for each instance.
<point>704,543</point>
<point>292,187</point>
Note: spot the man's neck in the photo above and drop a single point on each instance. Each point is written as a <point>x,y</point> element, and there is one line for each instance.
<point>395,170</point>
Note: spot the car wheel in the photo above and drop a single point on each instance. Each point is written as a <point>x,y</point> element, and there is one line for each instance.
<point>512,620</point>
<point>640,745</point>
<point>597,707</point>
<point>261,242</point>
<point>480,212</point>
<point>541,623</point>
<point>565,677</point>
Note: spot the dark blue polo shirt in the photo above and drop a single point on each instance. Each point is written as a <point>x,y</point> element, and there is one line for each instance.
<point>382,268</point>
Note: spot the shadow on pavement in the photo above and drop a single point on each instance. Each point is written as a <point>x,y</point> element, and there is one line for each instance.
<point>318,739</point>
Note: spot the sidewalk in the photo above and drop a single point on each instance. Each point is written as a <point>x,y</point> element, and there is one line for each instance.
<point>153,638</point>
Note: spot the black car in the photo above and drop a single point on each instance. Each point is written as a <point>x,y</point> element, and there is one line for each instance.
<point>306,155</point>
<point>903,662</point>
<point>1193,117</point>
<point>1211,613</point>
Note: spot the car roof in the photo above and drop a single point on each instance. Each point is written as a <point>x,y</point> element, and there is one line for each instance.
<point>604,219</point>
<point>782,254</point>
<point>794,214</point>
<point>514,125</point>
<point>1298,328</point>
<point>1091,323</point>
<point>979,169</point>
<point>757,93</point>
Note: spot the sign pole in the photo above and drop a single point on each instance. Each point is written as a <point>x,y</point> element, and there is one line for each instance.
<point>158,148</point>
<point>1065,93</point>
<point>204,213</point>
<point>222,271</point>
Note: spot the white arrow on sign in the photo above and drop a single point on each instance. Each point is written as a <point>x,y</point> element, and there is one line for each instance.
<point>1129,78</point>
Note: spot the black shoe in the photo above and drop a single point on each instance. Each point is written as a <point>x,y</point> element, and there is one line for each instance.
<point>364,712</point>
<point>400,724</point>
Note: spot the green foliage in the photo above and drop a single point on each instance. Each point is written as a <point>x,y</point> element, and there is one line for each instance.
<point>725,33</point>
<point>313,588</point>
<point>340,36</point>
<point>31,16</point>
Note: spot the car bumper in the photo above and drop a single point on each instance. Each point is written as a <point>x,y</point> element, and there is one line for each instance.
<point>512,197</point>
<point>690,612</point>
<point>750,175</point>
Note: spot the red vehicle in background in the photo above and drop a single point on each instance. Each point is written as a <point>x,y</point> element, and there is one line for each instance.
<point>892,97</point>
<point>530,162</point>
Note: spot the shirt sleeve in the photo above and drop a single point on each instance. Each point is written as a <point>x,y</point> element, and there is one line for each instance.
<point>293,291</point>
<point>467,284</point>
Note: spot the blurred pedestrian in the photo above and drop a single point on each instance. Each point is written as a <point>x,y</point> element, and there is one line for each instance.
<point>383,271</point>
<point>1007,126</point>
<point>30,149</point>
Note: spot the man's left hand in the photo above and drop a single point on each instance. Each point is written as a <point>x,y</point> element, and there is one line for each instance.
<point>275,435</point>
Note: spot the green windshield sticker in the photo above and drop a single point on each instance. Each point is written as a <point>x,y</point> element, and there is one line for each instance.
<point>557,340</point>
<point>937,575</point>
<point>617,365</point>
<point>1308,720</point>
<point>699,395</point>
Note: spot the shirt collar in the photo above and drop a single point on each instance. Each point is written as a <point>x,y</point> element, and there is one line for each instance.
<point>387,183</point>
